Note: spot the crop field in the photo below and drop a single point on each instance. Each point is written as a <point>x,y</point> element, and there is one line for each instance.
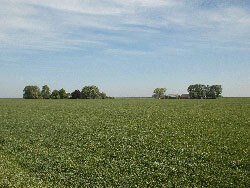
<point>125,143</point>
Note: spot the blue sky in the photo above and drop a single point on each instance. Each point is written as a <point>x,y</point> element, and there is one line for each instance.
<point>126,48</point>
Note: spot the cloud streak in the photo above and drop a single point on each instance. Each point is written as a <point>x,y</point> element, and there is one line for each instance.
<point>80,24</point>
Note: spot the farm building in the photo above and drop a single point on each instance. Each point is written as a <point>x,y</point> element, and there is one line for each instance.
<point>173,96</point>
<point>185,96</point>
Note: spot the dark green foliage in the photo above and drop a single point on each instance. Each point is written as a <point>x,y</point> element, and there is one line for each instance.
<point>31,92</point>
<point>125,143</point>
<point>76,94</point>
<point>62,94</point>
<point>214,91</point>
<point>199,91</point>
<point>45,92</point>
<point>55,94</point>
<point>90,92</point>
<point>159,93</point>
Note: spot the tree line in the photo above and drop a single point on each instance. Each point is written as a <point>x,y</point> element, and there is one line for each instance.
<point>199,91</point>
<point>196,91</point>
<point>87,92</point>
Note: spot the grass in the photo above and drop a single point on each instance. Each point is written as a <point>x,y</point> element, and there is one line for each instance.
<point>125,142</point>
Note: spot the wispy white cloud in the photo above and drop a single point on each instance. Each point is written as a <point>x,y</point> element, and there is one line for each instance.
<point>54,24</point>
<point>78,6</point>
<point>127,52</point>
<point>149,3</point>
<point>229,20</point>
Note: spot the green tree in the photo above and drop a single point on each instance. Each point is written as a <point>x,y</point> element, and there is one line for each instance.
<point>159,93</point>
<point>218,90</point>
<point>214,91</point>
<point>90,92</point>
<point>103,95</point>
<point>31,92</point>
<point>62,94</point>
<point>76,94</point>
<point>210,93</point>
<point>45,92</point>
<point>55,94</point>
<point>197,91</point>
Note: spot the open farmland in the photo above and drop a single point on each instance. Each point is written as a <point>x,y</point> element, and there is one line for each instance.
<point>125,142</point>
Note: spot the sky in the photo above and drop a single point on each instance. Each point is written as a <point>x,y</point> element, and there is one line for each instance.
<point>125,47</point>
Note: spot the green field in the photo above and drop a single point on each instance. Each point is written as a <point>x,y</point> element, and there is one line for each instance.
<point>125,142</point>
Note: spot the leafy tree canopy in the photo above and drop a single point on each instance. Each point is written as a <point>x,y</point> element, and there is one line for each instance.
<point>76,94</point>
<point>159,93</point>
<point>31,92</point>
<point>90,92</point>
<point>199,91</point>
<point>45,92</point>
<point>62,94</point>
<point>55,94</point>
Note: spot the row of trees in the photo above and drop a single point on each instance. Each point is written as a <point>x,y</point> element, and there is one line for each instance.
<point>196,91</point>
<point>199,91</point>
<point>88,92</point>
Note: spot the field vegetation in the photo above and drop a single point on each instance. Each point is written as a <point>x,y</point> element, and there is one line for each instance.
<point>125,142</point>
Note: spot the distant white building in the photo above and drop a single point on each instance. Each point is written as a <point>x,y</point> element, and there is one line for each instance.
<point>173,96</point>
<point>185,96</point>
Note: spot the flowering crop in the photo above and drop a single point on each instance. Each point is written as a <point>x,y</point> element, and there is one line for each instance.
<point>124,142</point>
